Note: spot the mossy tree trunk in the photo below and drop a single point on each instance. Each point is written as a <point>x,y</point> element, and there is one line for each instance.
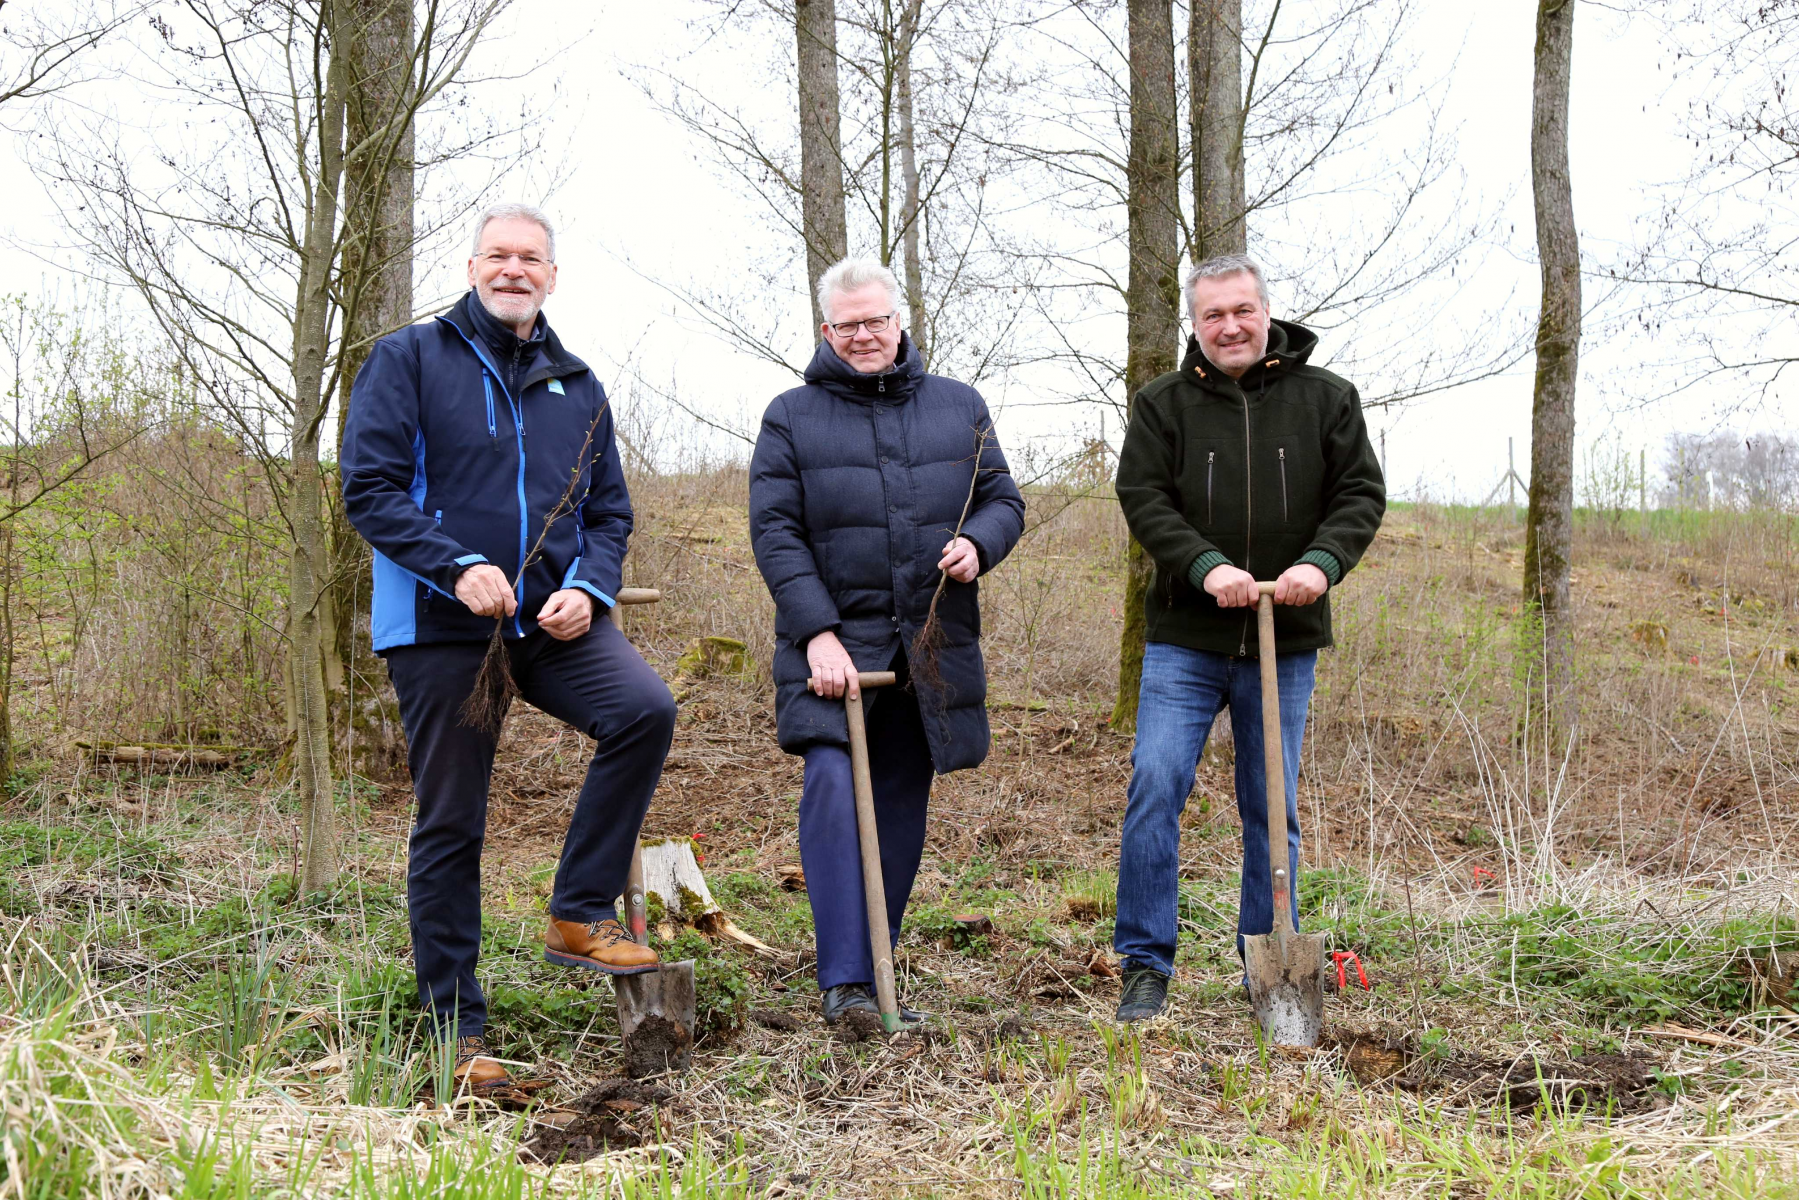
<point>308,561</point>
<point>1152,296</point>
<point>1549,524</point>
<point>821,144</point>
<point>379,238</point>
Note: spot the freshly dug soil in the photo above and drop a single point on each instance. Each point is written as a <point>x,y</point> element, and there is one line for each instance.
<point>657,1045</point>
<point>614,1115</point>
<point>1620,1083</point>
<point>774,1018</point>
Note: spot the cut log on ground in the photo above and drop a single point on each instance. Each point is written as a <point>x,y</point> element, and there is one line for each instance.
<point>201,758</point>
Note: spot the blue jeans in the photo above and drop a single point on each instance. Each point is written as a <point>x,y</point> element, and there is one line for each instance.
<point>1183,691</point>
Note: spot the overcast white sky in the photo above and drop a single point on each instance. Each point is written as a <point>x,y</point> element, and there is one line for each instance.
<point>641,190</point>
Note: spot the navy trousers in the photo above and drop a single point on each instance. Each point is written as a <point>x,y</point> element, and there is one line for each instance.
<point>599,684</point>
<point>899,761</point>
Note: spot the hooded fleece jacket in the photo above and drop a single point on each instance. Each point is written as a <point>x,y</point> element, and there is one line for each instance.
<point>467,444</point>
<point>1261,472</point>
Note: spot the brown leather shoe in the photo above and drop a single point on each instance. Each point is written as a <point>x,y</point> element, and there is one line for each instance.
<point>475,1071</point>
<point>598,946</point>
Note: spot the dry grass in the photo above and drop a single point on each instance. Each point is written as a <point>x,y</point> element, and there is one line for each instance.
<point>1667,829</point>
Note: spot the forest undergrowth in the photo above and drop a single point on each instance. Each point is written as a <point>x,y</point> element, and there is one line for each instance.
<point>1580,960</point>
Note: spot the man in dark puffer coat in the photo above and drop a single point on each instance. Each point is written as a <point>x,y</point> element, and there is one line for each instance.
<point>857,484</point>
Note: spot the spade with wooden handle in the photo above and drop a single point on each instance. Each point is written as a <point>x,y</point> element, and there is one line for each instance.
<point>873,887</point>
<point>656,1010</point>
<point>1285,968</point>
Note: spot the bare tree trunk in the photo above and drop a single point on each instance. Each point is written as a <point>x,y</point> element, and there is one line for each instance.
<point>821,146</point>
<point>1153,288</point>
<point>1549,527</point>
<point>307,593</point>
<point>1215,106</point>
<point>377,269</point>
<point>909,214</point>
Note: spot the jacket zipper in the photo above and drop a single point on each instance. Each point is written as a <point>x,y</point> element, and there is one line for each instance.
<point>487,386</point>
<point>1249,512</point>
<point>439,518</point>
<point>1283,461</point>
<point>1211,460</point>
<point>518,424</point>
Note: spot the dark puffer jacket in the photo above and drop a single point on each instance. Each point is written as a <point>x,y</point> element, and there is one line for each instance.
<point>855,487</point>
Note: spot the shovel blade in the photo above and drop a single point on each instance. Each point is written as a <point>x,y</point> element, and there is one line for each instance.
<point>1286,986</point>
<point>656,1012</point>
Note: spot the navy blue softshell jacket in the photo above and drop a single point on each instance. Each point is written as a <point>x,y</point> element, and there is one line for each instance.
<point>453,457</point>
<point>856,485</point>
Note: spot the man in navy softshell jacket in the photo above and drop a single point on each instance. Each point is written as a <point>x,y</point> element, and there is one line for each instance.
<point>475,445</point>
<point>858,486</point>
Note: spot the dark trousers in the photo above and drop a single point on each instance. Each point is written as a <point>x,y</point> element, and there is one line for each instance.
<point>597,683</point>
<point>899,761</point>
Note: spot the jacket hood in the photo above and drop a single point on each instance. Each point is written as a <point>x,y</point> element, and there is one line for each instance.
<point>830,372</point>
<point>1289,345</point>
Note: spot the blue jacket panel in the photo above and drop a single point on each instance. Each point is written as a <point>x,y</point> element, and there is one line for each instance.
<point>451,458</point>
<point>856,485</point>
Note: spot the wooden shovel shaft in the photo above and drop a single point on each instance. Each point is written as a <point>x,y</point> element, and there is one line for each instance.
<point>1275,769</point>
<point>873,886</point>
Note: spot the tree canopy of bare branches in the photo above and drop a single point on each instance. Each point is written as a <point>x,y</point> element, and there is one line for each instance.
<point>1720,259</point>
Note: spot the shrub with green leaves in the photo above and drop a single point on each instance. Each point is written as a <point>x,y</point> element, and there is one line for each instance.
<point>721,986</point>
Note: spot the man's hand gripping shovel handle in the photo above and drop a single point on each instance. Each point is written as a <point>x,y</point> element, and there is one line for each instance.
<point>873,887</point>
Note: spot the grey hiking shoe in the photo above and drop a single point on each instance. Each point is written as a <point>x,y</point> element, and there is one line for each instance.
<point>1143,995</point>
<point>838,1001</point>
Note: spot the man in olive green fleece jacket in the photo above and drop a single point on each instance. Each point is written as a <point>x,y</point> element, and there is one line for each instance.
<point>1247,463</point>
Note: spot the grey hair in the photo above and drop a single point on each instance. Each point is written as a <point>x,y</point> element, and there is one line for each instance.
<point>514,212</point>
<point>1226,264</point>
<point>853,273</point>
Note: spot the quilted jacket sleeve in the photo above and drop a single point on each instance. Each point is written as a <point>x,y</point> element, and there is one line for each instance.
<point>778,532</point>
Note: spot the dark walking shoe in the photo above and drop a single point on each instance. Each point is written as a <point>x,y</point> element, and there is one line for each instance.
<point>837,1002</point>
<point>1144,994</point>
<point>597,946</point>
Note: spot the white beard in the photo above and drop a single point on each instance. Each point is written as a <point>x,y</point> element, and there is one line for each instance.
<point>509,310</point>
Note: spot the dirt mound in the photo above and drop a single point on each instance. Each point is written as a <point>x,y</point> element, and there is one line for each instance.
<point>616,1114</point>
<point>1618,1083</point>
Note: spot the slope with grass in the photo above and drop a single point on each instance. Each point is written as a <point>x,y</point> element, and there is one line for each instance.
<point>1580,961</point>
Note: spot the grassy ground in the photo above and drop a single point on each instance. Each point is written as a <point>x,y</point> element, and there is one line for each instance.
<point>1580,964</point>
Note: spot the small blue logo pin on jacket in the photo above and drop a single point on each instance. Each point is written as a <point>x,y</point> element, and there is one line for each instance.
<point>556,386</point>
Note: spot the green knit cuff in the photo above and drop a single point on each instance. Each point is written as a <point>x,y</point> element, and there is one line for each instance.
<point>1325,561</point>
<point>1204,565</point>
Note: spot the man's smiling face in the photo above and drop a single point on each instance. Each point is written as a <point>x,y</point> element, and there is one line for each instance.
<point>870,353</point>
<point>512,273</point>
<point>1231,321</point>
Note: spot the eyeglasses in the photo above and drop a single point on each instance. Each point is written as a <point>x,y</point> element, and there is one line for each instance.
<point>847,329</point>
